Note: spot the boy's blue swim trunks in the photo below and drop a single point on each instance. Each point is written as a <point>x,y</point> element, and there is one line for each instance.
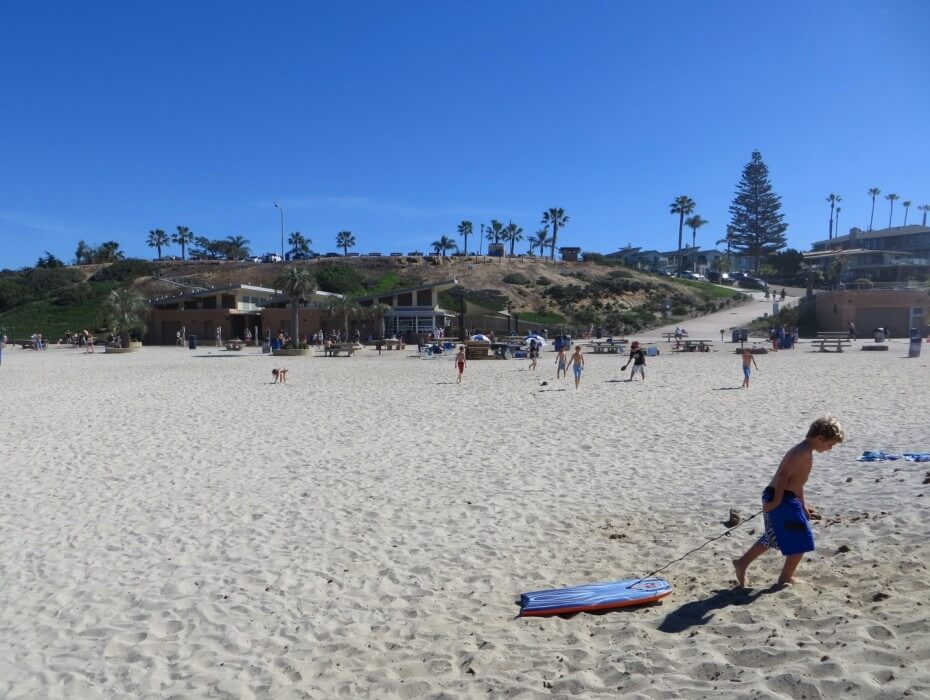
<point>787,527</point>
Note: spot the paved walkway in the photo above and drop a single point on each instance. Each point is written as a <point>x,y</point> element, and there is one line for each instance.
<point>708,327</point>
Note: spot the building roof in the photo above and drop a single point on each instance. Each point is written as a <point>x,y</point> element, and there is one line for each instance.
<point>212,291</point>
<point>876,233</point>
<point>444,284</point>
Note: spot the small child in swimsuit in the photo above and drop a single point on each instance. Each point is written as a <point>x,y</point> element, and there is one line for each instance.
<point>561,365</point>
<point>280,375</point>
<point>576,362</point>
<point>460,363</point>
<point>747,360</point>
<point>787,519</point>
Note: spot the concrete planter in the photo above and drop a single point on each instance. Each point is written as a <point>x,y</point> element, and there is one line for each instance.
<point>133,347</point>
<point>287,352</point>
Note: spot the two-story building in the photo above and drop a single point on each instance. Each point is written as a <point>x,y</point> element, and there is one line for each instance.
<point>892,254</point>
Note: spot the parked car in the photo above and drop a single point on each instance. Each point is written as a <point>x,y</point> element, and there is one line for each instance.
<point>374,255</point>
<point>352,255</point>
<point>718,277</point>
<point>397,255</point>
<point>333,255</point>
<point>300,256</point>
<point>271,258</point>
<point>752,283</point>
<point>254,258</point>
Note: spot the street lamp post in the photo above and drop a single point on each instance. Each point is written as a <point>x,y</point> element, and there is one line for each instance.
<point>278,206</point>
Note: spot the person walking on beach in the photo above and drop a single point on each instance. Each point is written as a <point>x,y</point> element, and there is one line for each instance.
<point>219,337</point>
<point>851,331</point>
<point>534,353</point>
<point>638,358</point>
<point>576,362</point>
<point>748,360</point>
<point>561,364</point>
<point>88,342</point>
<point>459,363</point>
<point>787,518</point>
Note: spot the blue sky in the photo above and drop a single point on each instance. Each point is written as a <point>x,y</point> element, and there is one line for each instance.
<point>397,120</point>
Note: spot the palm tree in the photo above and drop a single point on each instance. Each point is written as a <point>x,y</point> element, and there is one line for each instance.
<point>442,245</point>
<point>299,243</point>
<point>924,208</point>
<point>158,239</point>
<point>297,282</point>
<point>556,218</point>
<point>345,240</point>
<point>123,312</point>
<point>345,307</point>
<point>694,223</point>
<point>495,231</point>
<point>838,210</point>
<point>540,240</point>
<point>183,237</point>
<point>683,205</point>
<point>874,192</point>
<point>729,241</point>
<point>891,198</point>
<point>465,230</point>
<point>834,199</point>
<point>513,233</point>
<point>377,312</point>
<point>907,205</point>
<point>237,247</point>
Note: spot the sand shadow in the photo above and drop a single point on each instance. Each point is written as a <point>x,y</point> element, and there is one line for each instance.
<point>700,612</point>
<point>552,390</point>
<point>727,388</point>
<point>224,356</point>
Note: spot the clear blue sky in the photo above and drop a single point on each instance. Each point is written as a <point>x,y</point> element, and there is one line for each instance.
<point>396,120</point>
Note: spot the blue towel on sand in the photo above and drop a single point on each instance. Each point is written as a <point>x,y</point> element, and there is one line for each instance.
<point>880,456</point>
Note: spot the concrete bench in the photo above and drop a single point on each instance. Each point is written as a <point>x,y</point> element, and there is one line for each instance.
<point>234,344</point>
<point>333,351</point>
<point>836,343</point>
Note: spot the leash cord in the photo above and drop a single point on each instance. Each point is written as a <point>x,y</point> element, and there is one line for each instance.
<point>688,554</point>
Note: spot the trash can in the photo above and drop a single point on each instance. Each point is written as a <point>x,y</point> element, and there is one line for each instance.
<point>879,335</point>
<point>740,335</point>
<point>914,348</point>
<point>266,347</point>
<point>192,342</point>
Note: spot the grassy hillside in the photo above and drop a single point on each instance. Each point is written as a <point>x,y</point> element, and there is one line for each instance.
<point>554,294</point>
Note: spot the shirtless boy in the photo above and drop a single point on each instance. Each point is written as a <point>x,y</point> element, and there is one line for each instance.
<point>576,362</point>
<point>460,363</point>
<point>747,360</point>
<point>787,520</point>
<point>561,364</point>
<point>280,375</point>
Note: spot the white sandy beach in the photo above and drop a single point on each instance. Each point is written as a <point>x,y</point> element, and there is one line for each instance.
<point>175,526</point>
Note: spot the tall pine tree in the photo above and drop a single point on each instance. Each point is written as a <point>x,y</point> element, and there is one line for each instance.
<point>755,214</point>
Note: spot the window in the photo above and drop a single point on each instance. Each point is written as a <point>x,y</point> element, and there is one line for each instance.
<point>425,297</point>
<point>405,299</point>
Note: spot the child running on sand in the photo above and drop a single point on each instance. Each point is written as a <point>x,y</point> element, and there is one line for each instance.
<point>747,360</point>
<point>561,363</point>
<point>638,358</point>
<point>460,363</point>
<point>280,375</point>
<point>787,519</point>
<point>576,362</point>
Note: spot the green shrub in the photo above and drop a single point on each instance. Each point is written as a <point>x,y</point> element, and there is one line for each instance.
<point>47,279</point>
<point>516,278</point>
<point>75,294</point>
<point>125,271</point>
<point>340,279</point>
<point>543,281</point>
<point>14,292</point>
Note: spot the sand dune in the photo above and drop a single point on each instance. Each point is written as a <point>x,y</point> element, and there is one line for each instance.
<point>176,526</point>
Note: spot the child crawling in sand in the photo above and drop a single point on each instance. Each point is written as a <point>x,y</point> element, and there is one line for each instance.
<point>787,520</point>
<point>280,375</point>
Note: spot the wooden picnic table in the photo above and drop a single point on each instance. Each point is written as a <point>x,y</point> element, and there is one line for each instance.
<point>604,346</point>
<point>695,345</point>
<point>670,335</point>
<point>392,344</point>
<point>836,339</point>
<point>334,350</point>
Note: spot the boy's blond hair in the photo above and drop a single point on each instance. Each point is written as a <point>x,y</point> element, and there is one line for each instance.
<point>828,428</point>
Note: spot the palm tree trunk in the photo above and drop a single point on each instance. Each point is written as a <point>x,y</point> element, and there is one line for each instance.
<point>873,213</point>
<point>693,250</point>
<point>681,226</point>
<point>295,337</point>
<point>890,213</point>
<point>905,215</point>
<point>555,233</point>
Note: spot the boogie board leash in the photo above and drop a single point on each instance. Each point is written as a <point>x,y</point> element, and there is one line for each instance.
<point>688,554</point>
